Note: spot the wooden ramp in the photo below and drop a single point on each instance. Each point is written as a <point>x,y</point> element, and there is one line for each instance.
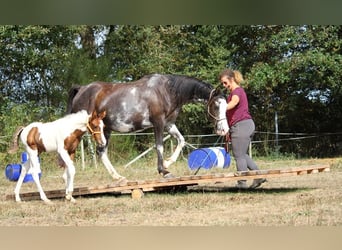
<point>183,181</point>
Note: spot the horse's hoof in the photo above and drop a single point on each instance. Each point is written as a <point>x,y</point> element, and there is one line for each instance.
<point>122,181</point>
<point>48,202</point>
<point>71,200</point>
<point>68,197</point>
<point>117,177</point>
<point>168,176</point>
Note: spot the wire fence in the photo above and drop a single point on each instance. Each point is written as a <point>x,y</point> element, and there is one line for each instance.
<point>263,144</point>
<point>219,140</point>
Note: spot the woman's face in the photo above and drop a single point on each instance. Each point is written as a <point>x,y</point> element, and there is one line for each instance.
<point>226,82</point>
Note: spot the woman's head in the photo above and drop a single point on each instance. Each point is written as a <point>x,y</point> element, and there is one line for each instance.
<point>230,77</point>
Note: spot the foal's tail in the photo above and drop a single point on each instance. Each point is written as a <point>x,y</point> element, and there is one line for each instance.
<point>15,143</point>
<point>72,93</point>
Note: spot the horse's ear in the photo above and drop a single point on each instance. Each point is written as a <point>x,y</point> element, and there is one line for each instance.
<point>93,114</point>
<point>102,114</point>
<point>217,91</point>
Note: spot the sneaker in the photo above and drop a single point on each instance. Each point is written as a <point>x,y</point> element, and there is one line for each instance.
<point>257,182</point>
<point>241,184</point>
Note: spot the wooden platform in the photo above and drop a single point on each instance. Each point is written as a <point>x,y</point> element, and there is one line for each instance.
<point>183,181</point>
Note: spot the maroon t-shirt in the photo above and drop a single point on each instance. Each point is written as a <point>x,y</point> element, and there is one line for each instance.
<point>240,111</point>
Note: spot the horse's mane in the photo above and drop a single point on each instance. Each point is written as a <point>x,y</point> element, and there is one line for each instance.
<point>73,116</point>
<point>186,87</point>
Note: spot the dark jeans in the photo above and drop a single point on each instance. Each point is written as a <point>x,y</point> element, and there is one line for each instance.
<point>241,134</point>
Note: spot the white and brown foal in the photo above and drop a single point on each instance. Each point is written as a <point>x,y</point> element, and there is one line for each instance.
<point>63,136</point>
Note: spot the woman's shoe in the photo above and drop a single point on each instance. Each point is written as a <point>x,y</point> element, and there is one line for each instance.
<point>241,184</point>
<point>257,182</point>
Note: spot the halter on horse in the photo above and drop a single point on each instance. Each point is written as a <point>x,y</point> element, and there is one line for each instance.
<point>152,101</point>
<point>63,136</point>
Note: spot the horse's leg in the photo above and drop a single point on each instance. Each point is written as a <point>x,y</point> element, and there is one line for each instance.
<point>173,130</point>
<point>65,177</point>
<point>62,164</point>
<point>158,134</point>
<point>102,152</point>
<point>35,165</point>
<point>25,167</point>
<point>69,174</point>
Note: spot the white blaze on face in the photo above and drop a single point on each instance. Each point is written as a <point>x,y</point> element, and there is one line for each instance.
<point>222,124</point>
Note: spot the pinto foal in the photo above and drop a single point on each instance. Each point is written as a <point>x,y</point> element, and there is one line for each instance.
<point>63,136</point>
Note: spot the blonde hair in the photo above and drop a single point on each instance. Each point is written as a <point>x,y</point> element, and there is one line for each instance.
<point>238,78</point>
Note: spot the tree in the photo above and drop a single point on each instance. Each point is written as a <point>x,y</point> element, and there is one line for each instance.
<point>34,61</point>
<point>294,70</point>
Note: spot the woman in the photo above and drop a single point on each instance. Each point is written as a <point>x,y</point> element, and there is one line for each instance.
<point>241,124</point>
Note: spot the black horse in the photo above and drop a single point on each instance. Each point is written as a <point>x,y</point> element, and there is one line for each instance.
<point>153,101</point>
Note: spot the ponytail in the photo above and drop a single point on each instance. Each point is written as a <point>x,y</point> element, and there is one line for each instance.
<point>238,77</point>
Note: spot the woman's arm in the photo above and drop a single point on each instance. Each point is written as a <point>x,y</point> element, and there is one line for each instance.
<point>233,102</point>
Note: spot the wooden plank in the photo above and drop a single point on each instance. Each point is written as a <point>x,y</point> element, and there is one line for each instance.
<point>151,185</point>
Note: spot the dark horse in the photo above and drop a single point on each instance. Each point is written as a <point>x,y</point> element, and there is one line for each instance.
<point>153,101</point>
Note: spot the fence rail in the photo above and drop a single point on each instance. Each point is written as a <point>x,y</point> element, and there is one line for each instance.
<point>209,140</point>
<point>219,140</point>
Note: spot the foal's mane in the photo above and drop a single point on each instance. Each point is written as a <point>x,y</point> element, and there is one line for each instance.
<point>186,87</point>
<point>77,116</point>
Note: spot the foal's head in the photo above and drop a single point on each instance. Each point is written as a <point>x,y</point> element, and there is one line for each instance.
<point>95,126</point>
<point>217,106</point>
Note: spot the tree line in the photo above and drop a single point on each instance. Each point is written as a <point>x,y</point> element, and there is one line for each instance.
<point>293,71</point>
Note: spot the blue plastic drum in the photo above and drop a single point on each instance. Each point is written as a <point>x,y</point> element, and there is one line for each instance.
<point>24,157</point>
<point>13,171</point>
<point>208,158</point>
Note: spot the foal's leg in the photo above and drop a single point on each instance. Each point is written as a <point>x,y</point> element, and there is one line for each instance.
<point>69,175</point>
<point>102,152</point>
<point>35,165</point>
<point>173,130</point>
<point>24,170</point>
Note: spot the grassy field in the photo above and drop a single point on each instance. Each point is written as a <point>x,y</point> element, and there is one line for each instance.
<point>313,200</point>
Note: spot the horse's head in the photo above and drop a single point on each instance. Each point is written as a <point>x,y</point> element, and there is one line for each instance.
<point>95,126</point>
<point>217,106</point>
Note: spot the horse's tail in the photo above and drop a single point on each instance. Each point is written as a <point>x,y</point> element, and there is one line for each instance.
<point>72,93</point>
<point>15,143</point>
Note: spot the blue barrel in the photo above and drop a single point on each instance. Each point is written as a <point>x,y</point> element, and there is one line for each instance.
<point>24,157</point>
<point>13,171</point>
<point>208,158</point>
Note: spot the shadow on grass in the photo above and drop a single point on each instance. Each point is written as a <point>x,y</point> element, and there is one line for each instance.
<point>215,189</point>
<point>225,189</point>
